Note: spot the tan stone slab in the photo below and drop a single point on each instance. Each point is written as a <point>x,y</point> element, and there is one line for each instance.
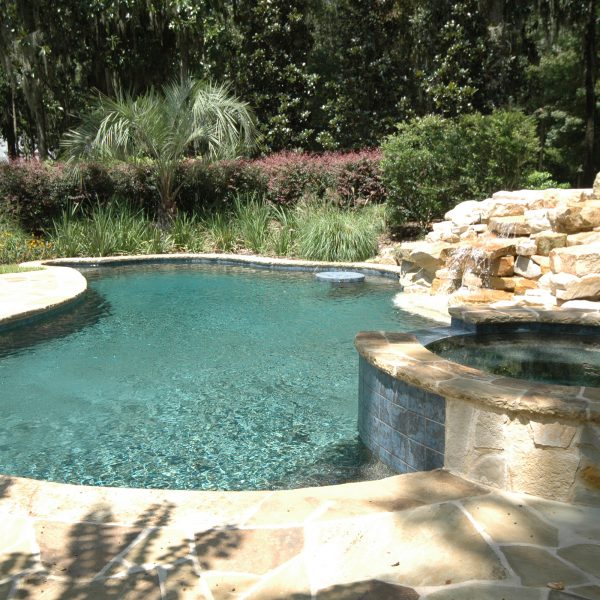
<point>248,550</point>
<point>363,590</point>
<point>507,522</point>
<point>395,494</point>
<point>290,581</point>
<point>229,586</point>
<point>133,587</point>
<point>80,549</point>
<point>140,507</point>
<point>584,556</point>
<point>423,546</point>
<point>581,520</point>
<point>26,294</point>
<point>510,226</point>
<point>161,546</point>
<point>183,583</point>
<point>487,591</point>
<point>587,592</point>
<point>536,567</point>
<point>17,544</point>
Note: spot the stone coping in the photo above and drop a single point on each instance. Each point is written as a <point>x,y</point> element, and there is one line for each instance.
<point>28,294</point>
<point>489,313</point>
<point>233,259</point>
<point>402,356</point>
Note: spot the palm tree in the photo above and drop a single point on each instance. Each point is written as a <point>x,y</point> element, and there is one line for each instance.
<point>186,118</point>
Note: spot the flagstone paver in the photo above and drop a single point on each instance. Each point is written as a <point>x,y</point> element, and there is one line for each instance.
<point>423,535</point>
<point>536,567</point>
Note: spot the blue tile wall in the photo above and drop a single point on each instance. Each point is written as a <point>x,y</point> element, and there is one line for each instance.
<point>400,423</point>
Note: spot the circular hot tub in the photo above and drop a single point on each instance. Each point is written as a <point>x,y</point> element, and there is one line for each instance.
<point>509,400</point>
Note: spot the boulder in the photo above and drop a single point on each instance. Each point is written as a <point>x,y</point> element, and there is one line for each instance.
<point>537,297</point>
<point>537,219</point>
<point>509,226</point>
<point>569,287</point>
<point>502,267</point>
<point>424,255</point>
<point>576,260</point>
<point>582,305</point>
<point>445,231</point>
<point>585,237</point>
<point>507,208</point>
<point>542,261</point>
<point>576,216</point>
<point>506,284</point>
<point>470,280</point>
<point>468,236</point>
<point>546,241</point>
<point>482,296</point>
<point>527,267</point>
<point>526,247</point>
<point>444,286</point>
<point>465,213</point>
<point>522,284</point>
<point>555,196</point>
<point>545,281</point>
<point>596,189</point>
<point>529,199</point>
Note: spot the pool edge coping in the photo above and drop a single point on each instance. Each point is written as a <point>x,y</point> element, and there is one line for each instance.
<point>402,356</point>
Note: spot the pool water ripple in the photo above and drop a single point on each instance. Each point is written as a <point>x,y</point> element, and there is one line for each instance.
<point>193,377</point>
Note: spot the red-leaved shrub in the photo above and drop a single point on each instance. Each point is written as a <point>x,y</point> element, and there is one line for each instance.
<point>35,193</point>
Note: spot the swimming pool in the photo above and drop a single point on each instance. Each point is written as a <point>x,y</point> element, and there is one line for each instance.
<point>193,377</point>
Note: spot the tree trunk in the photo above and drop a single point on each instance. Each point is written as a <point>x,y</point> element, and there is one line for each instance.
<point>590,164</point>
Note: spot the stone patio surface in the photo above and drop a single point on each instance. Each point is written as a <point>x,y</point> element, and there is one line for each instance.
<point>425,535</point>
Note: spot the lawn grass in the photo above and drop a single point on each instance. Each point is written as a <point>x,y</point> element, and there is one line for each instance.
<point>14,268</point>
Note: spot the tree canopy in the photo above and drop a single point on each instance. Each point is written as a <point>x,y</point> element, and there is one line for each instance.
<point>320,74</point>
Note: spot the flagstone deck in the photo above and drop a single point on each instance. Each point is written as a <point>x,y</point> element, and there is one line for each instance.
<point>425,535</point>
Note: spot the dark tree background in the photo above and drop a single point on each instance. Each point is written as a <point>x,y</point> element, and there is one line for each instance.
<point>320,74</point>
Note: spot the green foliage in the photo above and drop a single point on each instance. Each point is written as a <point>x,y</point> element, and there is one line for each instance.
<point>162,127</point>
<point>106,231</point>
<point>282,231</point>
<point>268,65</point>
<point>188,234</point>
<point>420,169</point>
<point>542,180</point>
<point>330,234</point>
<point>35,193</point>
<point>14,268</point>
<point>221,232</point>
<point>320,74</point>
<point>433,163</point>
<point>17,246</point>
<point>252,218</point>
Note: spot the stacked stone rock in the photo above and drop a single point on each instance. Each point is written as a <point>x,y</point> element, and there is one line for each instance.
<point>531,247</point>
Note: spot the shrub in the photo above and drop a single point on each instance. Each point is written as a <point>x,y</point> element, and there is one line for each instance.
<point>106,231</point>
<point>252,218</point>
<point>188,234</point>
<point>328,233</point>
<point>37,193</point>
<point>350,178</point>
<point>433,163</point>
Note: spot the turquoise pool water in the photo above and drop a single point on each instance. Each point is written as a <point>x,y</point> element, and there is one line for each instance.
<point>193,377</point>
